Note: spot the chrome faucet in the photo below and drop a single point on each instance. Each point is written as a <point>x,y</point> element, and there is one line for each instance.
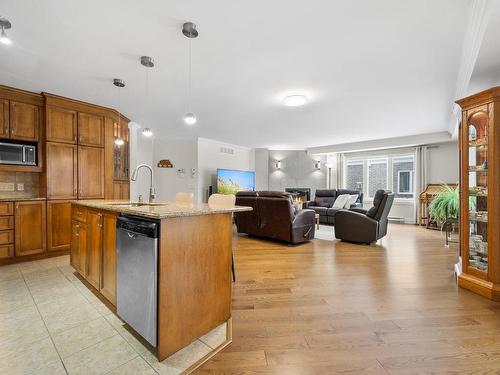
<point>152,194</point>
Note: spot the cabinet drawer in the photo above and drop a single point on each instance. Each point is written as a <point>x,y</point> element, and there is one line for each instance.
<point>6,251</point>
<point>6,237</point>
<point>6,222</point>
<point>6,208</point>
<point>79,213</point>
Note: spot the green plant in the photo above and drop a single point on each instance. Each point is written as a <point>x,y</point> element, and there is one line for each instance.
<point>446,204</point>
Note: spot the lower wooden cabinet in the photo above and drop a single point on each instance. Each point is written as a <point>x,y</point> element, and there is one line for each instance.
<point>58,225</point>
<point>78,257</point>
<point>30,227</point>
<point>93,249</point>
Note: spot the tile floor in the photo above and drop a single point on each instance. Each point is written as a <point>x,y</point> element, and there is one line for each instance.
<point>51,324</point>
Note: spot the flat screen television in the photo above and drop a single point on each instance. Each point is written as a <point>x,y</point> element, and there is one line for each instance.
<point>230,181</point>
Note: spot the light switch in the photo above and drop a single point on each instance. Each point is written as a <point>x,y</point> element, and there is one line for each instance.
<point>20,186</point>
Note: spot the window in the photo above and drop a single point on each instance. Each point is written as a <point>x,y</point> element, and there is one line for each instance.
<point>403,169</point>
<point>371,173</point>
<point>354,175</point>
<point>377,176</point>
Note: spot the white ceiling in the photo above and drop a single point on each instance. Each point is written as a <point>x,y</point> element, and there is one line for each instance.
<point>372,69</point>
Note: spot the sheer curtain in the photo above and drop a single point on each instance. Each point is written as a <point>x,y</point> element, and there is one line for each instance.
<point>421,164</point>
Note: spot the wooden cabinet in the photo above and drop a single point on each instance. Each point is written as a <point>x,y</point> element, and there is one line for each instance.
<point>4,118</point>
<point>121,150</point>
<point>78,255</point>
<point>61,125</point>
<point>94,246</point>
<point>30,227</point>
<point>479,192</point>
<point>24,121</point>
<point>90,130</point>
<point>121,190</point>
<point>90,172</point>
<point>58,225</point>
<point>6,208</point>
<point>108,269</point>
<point>62,171</point>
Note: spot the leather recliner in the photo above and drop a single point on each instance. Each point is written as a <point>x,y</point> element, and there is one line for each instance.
<point>274,217</point>
<point>365,226</point>
<point>323,202</point>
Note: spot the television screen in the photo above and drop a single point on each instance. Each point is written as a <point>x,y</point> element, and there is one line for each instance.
<point>230,181</point>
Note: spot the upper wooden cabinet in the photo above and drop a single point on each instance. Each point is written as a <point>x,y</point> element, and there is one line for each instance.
<point>90,172</point>
<point>61,125</point>
<point>121,151</point>
<point>24,121</point>
<point>58,225</point>
<point>90,130</point>
<point>30,227</point>
<point>4,118</point>
<point>62,161</point>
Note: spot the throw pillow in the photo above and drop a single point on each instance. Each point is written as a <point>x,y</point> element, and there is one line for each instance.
<point>351,200</point>
<point>340,201</point>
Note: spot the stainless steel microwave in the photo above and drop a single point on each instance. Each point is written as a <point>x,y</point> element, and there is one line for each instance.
<point>19,154</point>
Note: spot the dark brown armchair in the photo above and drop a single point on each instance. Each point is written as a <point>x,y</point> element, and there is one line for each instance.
<point>365,226</point>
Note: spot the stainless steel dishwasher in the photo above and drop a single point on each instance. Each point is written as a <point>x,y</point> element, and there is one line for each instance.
<point>137,274</point>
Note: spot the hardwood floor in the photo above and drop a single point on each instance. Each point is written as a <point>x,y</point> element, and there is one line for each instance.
<point>330,307</point>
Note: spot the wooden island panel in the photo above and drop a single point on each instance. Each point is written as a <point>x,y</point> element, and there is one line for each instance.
<point>194,283</point>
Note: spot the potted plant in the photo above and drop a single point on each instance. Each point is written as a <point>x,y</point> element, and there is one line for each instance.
<point>446,204</point>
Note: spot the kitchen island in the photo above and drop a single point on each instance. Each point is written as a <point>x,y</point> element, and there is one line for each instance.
<point>193,264</point>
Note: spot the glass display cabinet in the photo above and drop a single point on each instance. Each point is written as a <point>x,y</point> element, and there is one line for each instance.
<point>480,193</point>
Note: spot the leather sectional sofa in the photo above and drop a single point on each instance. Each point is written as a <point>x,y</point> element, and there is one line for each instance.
<point>323,202</point>
<point>274,216</point>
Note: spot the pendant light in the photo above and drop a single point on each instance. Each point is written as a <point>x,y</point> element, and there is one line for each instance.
<point>120,83</point>
<point>148,62</point>
<point>5,25</point>
<point>190,32</point>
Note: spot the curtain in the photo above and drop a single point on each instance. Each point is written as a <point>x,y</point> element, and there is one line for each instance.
<point>421,164</point>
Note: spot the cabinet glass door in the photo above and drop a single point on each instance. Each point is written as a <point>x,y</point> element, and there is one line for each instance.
<point>478,190</point>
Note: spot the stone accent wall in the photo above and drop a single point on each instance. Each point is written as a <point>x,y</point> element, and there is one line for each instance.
<point>9,187</point>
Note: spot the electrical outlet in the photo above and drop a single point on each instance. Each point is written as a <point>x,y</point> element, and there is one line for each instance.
<point>20,186</point>
<point>7,186</point>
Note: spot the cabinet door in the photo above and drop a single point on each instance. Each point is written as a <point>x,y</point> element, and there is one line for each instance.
<point>78,257</point>
<point>121,190</point>
<point>24,121</point>
<point>4,118</point>
<point>94,247</point>
<point>90,172</point>
<point>58,225</point>
<point>30,230</point>
<point>90,130</point>
<point>61,125</point>
<point>108,270</point>
<point>62,170</point>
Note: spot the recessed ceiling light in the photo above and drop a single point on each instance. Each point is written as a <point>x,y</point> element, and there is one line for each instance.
<point>147,132</point>
<point>295,100</point>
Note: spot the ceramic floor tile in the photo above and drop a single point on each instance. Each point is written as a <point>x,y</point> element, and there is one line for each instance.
<point>118,324</point>
<point>215,337</point>
<point>28,359</point>
<point>100,358</point>
<point>14,299</point>
<point>11,283</point>
<point>57,291</point>
<point>179,361</point>
<point>21,332</point>
<point>61,306</point>
<point>87,294</point>
<point>62,321</point>
<point>32,276</point>
<point>137,366</point>
<point>83,336</point>
<point>55,368</point>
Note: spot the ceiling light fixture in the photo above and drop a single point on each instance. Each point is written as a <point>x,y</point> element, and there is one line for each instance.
<point>295,100</point>
<point>120,83</point>
<point>190,32</point>
<point>5,25</point>
<point>147,61</point>
<point>119,142</point>
<point>147,132</point>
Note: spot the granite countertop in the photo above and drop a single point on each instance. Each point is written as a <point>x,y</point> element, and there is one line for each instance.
<point>21,199</point>
<point>160,210</point>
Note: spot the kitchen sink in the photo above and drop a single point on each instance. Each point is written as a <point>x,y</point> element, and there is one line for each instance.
<point>137,204</point>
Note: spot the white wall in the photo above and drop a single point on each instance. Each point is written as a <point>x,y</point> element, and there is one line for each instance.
<point>214,154</point>
<point>183,154</point>
<point>297,170</point>
<point>141,151</point>
<point>443,163</point>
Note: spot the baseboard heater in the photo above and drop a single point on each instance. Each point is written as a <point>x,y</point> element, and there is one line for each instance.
<point>393,219</point>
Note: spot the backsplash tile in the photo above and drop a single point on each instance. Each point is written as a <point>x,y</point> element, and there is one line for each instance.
<point>30,180</point>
